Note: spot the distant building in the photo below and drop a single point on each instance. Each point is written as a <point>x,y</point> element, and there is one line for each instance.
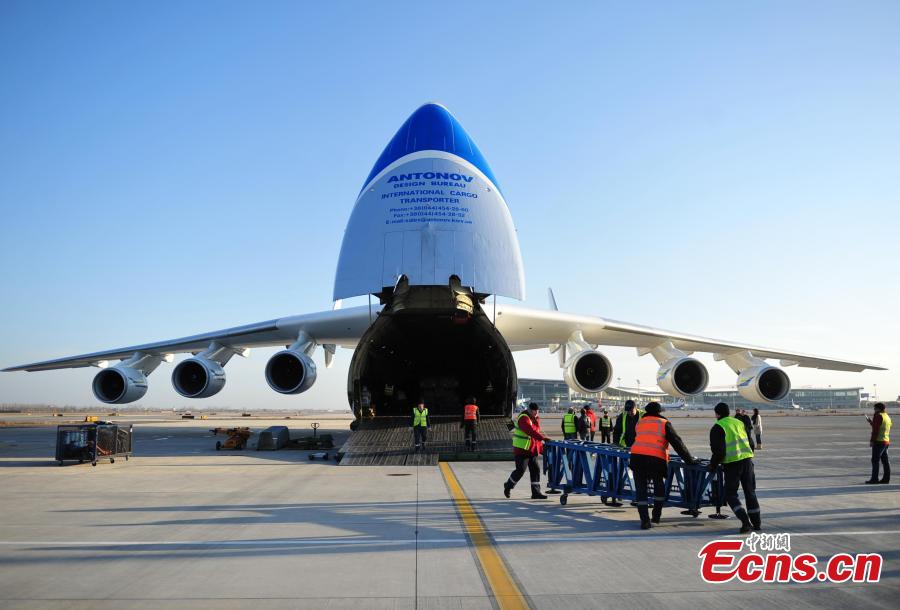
<point>550,393</point>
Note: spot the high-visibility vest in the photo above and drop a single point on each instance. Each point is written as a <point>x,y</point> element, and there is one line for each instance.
<point>650,438</point>
<point>622,442</point>
<point>521,440</point>
<point>605,422</point>
<point>569,423</point>
<point>884,434</point>
<point>420,418</point>
<point>470,412</point>
<point>737,445</point>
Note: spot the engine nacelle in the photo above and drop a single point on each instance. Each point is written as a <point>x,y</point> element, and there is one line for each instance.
<point>682,377</point>
<point>198,377</point>
<point>588,371</point>
<point>763,383</point>
<point>290,372</point>
<point>119,385</point>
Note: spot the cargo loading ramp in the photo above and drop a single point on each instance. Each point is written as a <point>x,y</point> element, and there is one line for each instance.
<point>388,441</point>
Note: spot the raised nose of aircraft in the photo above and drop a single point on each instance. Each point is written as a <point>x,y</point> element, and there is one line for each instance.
<point>432,127</point>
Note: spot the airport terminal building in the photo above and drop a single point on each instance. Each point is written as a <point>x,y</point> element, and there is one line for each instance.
<point>553,393</point>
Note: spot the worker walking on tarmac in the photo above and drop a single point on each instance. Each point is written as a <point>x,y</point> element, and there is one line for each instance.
<point>623,431</point>
<point>879,442</point>
<point>605,427</point>
<point>741,414</point>
<point>583,424</point>
<point>756,420</point>
<point>470,423</point>
<point>420,425</point>
<point>569,427</point>
<point>650,460</point>
<point>528,444</point>
<point>592,418</point>
<point>623,435</point>
<point>732,447</point>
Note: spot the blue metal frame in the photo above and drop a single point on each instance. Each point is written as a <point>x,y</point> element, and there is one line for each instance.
<point>598,469</point>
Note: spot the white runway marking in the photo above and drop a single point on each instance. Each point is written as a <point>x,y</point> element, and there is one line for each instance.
<point>411,541</point>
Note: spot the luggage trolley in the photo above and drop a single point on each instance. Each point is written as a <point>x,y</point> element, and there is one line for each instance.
<point>93,442</point>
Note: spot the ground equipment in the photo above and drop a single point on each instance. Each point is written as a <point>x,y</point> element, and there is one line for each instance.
<point>598,469</point>
<point>237,438</point>
<point>93,442</point>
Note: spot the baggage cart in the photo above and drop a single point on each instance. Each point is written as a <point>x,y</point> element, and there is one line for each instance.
<point>93,442</point>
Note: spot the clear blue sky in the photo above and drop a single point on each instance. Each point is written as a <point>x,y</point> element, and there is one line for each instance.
<point>171,168</point>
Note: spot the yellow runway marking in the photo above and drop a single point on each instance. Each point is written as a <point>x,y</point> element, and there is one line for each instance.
<point>505,590</point>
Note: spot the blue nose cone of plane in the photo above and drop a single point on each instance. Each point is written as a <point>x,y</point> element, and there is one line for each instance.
<point>432,127</point>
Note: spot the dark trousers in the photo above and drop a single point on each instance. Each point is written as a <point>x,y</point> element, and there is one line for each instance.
<point>534,470</point>
<point>605,434</point>
<point>567,436</point>
<point>469,432</point>
<point>741,474</point>
<point>880,454</point>
<point>641,481</point>
<point>758,438</point>
<point>420,435</point>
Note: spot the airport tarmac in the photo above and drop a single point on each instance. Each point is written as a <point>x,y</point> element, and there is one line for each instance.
<point>181,525</point>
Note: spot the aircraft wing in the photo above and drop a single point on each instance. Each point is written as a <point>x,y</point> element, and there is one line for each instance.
<point>525,329</point>
<point>342,327</point>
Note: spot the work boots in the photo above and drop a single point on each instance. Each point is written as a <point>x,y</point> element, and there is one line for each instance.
<point>657,512</point>
<point>745,521</point>
<point>506,488</point>
<point>536,492</point>
<point>756,521</point>
<point>645,517</point>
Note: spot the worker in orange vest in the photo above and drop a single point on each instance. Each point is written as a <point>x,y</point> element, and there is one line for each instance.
<point>470,423</point>
<point>650,460</point>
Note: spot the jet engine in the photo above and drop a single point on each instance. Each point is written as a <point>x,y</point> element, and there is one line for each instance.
<point>198,377</point>
<point>763,383</point>
<point>588,371</point>
<point>290,372</point>
<point>682,377</point>
<point>119,385</point>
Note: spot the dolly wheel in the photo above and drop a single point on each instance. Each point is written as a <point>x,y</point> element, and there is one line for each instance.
<point>112,460</point>
<point>218,445</point>
<point>93,463</point>
<point>60,462</point>
<point>564,499</point>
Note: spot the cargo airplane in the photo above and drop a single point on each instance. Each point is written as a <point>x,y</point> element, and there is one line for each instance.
<point>432,240</point>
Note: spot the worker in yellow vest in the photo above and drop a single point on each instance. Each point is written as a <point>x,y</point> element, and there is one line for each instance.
<point>623,430</point>
<point>470,423</point>
<point>528,444</point>
<point>879,442</point>
<point>420,425</point>
<point>569,428</point>
<point>605,427</point>
<point>732,447</point>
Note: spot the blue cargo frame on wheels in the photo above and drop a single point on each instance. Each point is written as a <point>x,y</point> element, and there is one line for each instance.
<point>599,469</point>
